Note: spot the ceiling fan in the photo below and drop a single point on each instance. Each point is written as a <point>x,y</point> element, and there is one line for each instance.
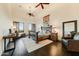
<point>42,5</point>
<point>31,14</point>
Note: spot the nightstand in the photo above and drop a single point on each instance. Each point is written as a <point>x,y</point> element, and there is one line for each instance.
<point>54,37</point>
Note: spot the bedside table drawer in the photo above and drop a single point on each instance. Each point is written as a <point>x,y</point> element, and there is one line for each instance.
<point>54,36</point>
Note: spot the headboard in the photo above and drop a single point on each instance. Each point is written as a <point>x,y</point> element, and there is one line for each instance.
<point>49,28</point>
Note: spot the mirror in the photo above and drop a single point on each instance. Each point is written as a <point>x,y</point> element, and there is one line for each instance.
<point>68,27</point>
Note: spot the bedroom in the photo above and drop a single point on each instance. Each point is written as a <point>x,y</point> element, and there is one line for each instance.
<point>22,13</point>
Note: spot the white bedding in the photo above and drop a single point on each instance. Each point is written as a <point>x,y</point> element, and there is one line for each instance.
<point>43,34</point>
<point>31,45</point>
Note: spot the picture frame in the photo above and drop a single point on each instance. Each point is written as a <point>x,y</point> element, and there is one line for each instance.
<point>46,20</point>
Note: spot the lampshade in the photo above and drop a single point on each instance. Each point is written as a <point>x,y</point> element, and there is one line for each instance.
<point>54,28</point>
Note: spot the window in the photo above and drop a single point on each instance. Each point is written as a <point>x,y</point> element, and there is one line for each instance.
<point>19,26</point>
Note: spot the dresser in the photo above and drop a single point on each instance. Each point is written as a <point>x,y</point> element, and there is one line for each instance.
<point>54,36</point>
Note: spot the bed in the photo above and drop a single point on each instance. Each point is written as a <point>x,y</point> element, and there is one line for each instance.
<point>43,34</point>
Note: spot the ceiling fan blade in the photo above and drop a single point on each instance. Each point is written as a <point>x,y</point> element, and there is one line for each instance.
<point>42,6</point>
<point>45,3</point>
<point>38,5</point>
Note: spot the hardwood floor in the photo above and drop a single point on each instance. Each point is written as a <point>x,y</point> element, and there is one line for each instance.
<point>53,49</point>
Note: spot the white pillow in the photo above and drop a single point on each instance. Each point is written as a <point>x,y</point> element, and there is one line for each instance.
<point>76,37</point>
<point>44,32</point>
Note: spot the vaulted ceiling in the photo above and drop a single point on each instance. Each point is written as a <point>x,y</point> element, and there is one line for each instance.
<point>22,9</point>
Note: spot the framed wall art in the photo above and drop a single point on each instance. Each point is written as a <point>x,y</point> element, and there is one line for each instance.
<point>46,20</point>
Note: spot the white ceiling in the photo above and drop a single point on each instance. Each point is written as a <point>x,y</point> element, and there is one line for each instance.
<point>22,9</point>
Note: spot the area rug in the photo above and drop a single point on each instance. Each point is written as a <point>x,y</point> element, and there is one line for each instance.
<point>31,45</point>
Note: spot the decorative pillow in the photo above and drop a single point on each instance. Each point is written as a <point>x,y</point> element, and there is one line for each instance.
<point>76,37</point>
<point>73,34</point>
<point>40,33</point>
<point>43,32</point>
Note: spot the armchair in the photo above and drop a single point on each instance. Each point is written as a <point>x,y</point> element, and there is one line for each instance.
<point>73,45</point>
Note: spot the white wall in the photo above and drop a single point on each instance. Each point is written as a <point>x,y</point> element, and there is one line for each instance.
<point>67,12</point>
<point>6,23</point>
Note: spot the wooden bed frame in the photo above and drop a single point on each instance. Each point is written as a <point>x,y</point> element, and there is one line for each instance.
<point>38,39</point>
